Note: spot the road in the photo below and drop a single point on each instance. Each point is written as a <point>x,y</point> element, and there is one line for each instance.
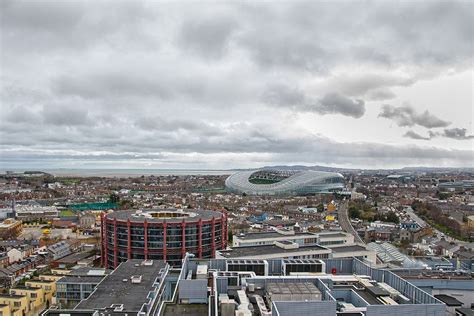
<point>345,223</point>
<point>422,223</point>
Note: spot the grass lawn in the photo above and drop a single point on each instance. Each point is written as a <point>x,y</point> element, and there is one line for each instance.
<point>66,213</point>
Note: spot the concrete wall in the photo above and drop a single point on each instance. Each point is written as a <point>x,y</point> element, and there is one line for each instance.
<point>463,290</point>
<point>322,308</point>
<point>193,291</point>
<point>409,309</point>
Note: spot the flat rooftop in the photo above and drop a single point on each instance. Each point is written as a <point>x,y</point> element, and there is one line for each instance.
<point>73,258</point>
<point>80,279</point>
<point>185,309</point>
<point>352,248</point>
<point>292,288</point>
<point>253,251</point>
<point>262,235</point>
<point>332,234</point>
<point>113,289</point>
<point>161,215</point>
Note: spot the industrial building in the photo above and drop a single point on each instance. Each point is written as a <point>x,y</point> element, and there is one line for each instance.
<point>284,182</point>
<point>164,234</point>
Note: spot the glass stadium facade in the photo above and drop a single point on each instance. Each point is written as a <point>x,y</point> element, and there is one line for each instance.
<point>284,182</point>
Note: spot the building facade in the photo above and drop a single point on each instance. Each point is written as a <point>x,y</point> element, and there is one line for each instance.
<point>162,235</point>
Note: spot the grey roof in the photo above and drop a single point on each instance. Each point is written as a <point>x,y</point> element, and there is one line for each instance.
<point>113,290</point>
<point>252,251</point>
<point>74,257</point>
<point>351,248</point>
<point>194,216</point>
<point>448,300</point>
<point>332,235</point>
<point>250,236</point>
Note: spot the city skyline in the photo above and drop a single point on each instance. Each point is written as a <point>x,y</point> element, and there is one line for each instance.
<point>236,85</point>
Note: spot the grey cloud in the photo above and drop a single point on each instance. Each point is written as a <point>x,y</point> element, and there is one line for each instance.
<point>170,81</point>
<point>208,36</point>
<point>381,94</point>
<point>20,114</point>
<point>454,133</point>
<point>331,103</point>
<point>408,116</point>
<point>414,135</point>
<point>335,103</point>
<point>65,115</point>
<point>312,150</point>
<point>391,25</point>
<point>375,83</point>
<point>457,133</point>
<point>45,25</point>
<point>284,95</point>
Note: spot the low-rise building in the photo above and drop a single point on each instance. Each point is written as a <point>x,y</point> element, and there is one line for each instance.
<point>36,212</point>
<point>132,288</point>
<point>36,297</point>
<point>18,304</point>
<point>77,285</point>
<point>10,228</point>
<point>48,286</point>
<point>325,238</point>
<point>59,250</point>
<point>87,220</point>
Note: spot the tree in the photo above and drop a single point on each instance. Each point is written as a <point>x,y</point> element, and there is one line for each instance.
<point>114,198</point>
<point>354,213</point>
<point>392,217</point>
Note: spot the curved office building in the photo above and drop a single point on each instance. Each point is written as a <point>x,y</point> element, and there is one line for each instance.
<point>284,182</point>
<point>164,234</point>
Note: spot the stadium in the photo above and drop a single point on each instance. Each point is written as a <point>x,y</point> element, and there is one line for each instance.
<point>284,182</point>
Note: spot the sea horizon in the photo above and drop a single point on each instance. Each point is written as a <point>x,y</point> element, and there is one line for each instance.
<point>125,172</point>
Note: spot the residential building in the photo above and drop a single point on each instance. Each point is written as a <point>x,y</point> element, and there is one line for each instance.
<point>18,304</point>
<point>59,250</point>
<point>36,297</point>
<point>10,228</point>
<point>77,285</point>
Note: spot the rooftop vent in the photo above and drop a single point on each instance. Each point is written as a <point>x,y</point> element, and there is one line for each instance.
<point>286,244</point>
<point>136,279</point>
<point>117,307</point>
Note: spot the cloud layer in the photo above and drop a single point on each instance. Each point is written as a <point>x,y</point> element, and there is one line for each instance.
<point>136,83</point>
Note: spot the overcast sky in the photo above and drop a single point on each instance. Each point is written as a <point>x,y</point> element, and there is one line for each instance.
<point>130,84</point>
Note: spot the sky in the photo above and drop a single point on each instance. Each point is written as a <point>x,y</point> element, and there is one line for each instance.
<point>236,84</point>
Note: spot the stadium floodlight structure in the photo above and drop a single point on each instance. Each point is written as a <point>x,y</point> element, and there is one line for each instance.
<point>284,182</point>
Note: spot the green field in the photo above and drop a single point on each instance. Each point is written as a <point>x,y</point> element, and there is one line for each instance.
<point>64,213</point>
<point>262,181</point>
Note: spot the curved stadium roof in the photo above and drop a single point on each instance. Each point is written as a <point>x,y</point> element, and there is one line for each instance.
<point>284,182</point>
